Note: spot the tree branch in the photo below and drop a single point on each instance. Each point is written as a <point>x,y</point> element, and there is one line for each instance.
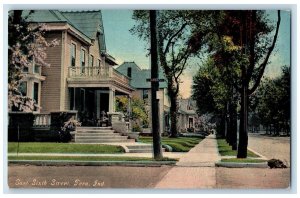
<point>264,63</point>
<point>252,46</point>
<point>172,37</point>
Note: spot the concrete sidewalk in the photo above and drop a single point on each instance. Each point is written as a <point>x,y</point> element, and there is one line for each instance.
<point>195,169</point>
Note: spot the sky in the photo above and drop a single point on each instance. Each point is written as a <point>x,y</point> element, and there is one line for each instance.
<point>124,46</point>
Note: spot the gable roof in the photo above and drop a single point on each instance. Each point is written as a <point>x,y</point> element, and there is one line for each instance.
<point>89,23</point>
<point>139,76</point>
<point>44,16</point>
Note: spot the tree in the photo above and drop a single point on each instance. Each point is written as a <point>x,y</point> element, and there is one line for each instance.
<point>250,32</point>
<point>26,46</point>
<point>272,102</point>
<point>179,38</point>
<point>211,84</point>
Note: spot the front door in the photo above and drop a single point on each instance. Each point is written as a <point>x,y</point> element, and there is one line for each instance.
<point>191,122</point>
<point>104,102</point>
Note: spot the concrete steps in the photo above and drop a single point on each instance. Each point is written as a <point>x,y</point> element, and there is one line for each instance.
<point>98,135</point>
<point>142,148</point>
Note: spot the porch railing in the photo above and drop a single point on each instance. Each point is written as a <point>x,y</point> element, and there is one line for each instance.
<point>87,72</point>
<point>101,73</point>
<point>42,120</point>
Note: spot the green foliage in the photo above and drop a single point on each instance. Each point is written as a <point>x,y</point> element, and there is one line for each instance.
<point>181,35</point>
<point>87,158</point>
<point>272,101</point>
<point>243,160</point>
<point>139,112</point>
<point>180,144</point>
<point>35,147</point>
<point>226,150</point>
<point>136,127</point>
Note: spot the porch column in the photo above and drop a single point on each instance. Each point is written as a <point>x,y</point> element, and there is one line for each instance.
<point>98,103</point>
<point>112,100</point>
<point>129,110</point>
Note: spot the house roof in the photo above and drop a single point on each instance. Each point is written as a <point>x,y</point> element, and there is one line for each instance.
<point>88,23</point>
<point>139,76</point>
<point>45,16</point>
<point>183,105</point>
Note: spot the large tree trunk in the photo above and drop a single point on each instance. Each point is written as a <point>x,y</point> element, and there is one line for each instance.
<point>233,125</point>
<point>173,114</point>
<point>243,133</point>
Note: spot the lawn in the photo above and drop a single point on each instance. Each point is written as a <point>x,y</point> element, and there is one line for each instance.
<point>225,149</point>
<point>180,144</point>
<point>242,160</point>
<point>86,158</point>
<point>37,147</point>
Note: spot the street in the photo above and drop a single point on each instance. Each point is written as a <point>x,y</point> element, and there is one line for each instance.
<point>194,170</point>
<point>84,176</point>
<point>271,147</point>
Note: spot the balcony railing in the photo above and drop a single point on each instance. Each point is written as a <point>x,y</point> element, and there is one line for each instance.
<point>88,72</point>
<point>119,77</point>
<point>42,120</point>
<point>97,73</point>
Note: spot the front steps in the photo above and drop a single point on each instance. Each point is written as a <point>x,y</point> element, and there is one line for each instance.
<point>106,135</point>
<point>142,148</point>
<point>99,135</point>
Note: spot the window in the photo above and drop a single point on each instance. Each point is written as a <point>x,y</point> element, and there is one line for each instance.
<point>98,62</point>
<point>23,88</point>
<point>72,98</point>
<point>129,72</point>
<point>82,58</point>
<point>36,92</point>
<point>145,94</point>
<point>73,55</point>
<point>36,69</point>
<point>91,64</point>
<point>25,69</point>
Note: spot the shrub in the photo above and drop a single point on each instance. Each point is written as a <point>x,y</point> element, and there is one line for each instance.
<point>136,127</point>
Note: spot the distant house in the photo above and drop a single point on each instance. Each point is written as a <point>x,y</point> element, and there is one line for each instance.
<point>81,76</point>
<point>138,80</point>
<point>187,116</point>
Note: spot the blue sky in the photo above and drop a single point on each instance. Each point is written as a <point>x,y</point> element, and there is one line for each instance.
<point>126,47</point>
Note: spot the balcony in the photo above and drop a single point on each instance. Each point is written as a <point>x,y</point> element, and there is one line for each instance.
<point>91,76</point>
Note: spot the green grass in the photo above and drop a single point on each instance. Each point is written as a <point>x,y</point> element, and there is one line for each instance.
<point>225,149</point>
<point>180,144</point>
<point>86,158</point>
<point>37,147</point>
<point>242,160</point>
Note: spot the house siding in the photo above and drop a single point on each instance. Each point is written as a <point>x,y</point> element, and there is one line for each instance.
<point>50,89</point>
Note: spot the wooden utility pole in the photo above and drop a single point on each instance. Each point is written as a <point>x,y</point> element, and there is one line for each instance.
<point>154,87</point>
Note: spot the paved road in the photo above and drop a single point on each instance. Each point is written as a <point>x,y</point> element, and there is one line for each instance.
<point>259,178</point>
<point>271,147</point>
<point>252,178</point>
<point>84,176</point>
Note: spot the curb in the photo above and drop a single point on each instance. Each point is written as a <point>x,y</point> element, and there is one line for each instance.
<point>260,155</point>
<point>241,165</point>
<point>91,163</point>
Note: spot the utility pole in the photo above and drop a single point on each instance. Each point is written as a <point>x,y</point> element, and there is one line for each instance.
<point>154,87</point>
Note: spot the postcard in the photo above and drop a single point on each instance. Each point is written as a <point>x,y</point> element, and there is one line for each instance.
<point>149,99</point>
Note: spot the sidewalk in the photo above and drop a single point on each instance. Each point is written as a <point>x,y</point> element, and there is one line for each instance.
<point>196,169</point>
